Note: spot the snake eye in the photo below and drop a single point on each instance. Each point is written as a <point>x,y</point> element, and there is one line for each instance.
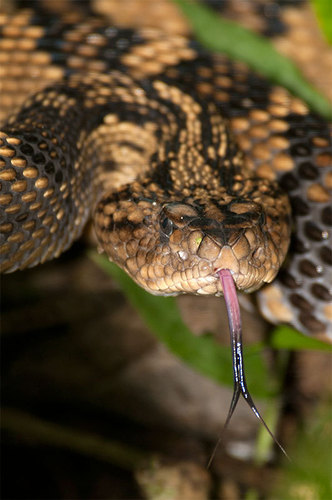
<point>167,226</point>
<point>176,215</point>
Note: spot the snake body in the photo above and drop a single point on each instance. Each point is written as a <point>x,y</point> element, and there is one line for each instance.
<point>187,162</point>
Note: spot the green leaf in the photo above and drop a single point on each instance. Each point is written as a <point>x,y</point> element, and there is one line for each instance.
<point>285,337</point>
<point>202,353</point>
<point>240,43</point>
<point>309,473</point>
<point>323,11</point>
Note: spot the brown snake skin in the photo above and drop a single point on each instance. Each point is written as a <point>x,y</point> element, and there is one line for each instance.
<point>182,157</point>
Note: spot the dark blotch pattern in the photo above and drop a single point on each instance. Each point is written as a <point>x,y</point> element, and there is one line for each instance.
<point>327,216</point>
<point>308,171</point>
<point>288,279</point>
<point>313,324</point>
<point>314,232</point>
<point>326,255</point>
<point>289,182</point>
<point>309,268</point>
<point>300,302</point>
<point>321,292</point>
<point>299,206</point>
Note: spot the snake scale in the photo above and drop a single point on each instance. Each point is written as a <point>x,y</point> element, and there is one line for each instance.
<point>187,162</point>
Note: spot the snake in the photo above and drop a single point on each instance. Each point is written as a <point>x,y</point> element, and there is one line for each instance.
<point>186,161</point>
<point>189,163</point>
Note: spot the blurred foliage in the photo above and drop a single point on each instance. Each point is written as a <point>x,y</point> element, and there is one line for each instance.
<point>308,476</point>
<point>223,35</point>
<point>285,337</point>
<point>323,11</point>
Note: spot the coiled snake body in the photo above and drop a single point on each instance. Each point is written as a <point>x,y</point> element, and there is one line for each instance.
<point>186,161</point>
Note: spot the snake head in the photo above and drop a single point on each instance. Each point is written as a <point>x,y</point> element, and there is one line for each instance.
<point>178,246</point>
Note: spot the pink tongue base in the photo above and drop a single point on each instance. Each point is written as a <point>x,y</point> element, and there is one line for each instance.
<point>235,330</point>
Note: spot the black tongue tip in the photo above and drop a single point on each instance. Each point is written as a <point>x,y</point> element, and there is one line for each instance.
<point>235,330</point>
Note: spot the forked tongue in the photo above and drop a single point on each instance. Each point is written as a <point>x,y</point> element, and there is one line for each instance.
<point>235,330</point>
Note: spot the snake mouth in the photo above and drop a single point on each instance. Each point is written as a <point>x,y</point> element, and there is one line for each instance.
<point>217,271</point>
<point>248,281</point>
